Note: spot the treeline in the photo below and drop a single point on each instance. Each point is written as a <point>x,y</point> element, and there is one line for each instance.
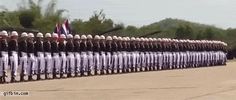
<point>30,14</point>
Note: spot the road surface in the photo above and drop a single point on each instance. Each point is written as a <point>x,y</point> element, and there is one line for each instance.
<point>209,83</point>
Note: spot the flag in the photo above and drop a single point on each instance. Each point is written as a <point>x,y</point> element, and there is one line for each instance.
<point>57,29</point>
<point>67,25</point>
<point>63,29</point>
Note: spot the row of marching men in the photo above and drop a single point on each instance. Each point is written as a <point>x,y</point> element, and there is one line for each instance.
<point>51,56</point>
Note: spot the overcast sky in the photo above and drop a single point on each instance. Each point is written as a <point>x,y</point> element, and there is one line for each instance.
<point>221,13</point>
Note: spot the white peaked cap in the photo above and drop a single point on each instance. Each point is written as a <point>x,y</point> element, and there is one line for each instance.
<point>119,38</point>
<point>108,38</point>
<point>132,38</point>
<point>96,37</point>
<point>76,36</point>
<point>48,35</point>
<point>69,36</point>
<point>128,39</point>
<point>31,35</point>
<point>4,33</point>
<point>55,35</point>
<point>102,37</point>
<point>63,36</point>
<point>90,36</point>
<point>39,35</point>
<point>114,37</point>
<point>83,37</point>
<point>14,33</point>
<point>24,34</point>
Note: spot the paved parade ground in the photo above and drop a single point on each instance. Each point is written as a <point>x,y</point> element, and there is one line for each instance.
<point>208,83</point>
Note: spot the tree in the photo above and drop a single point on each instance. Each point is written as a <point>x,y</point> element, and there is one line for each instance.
<point>130,31</point>
<point>26,19</point>
<point>97,23</point>
<point>31,15</point>
<point>209,34</point>
<point>184,32</point>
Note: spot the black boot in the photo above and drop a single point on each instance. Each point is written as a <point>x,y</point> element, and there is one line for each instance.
<point>102,72</point>
<point>76,74</point>
<point>1,80</point>
<point>13,79</point>
<point>22,78</point>
<point>81,73</point>
<point>95,72</point>
<point>132,69</point>
<point>61,75</point>
<point>127,70</point>
<point>118,70</point>
<point>46,76</point>
<point>123,71</point>
<point>68,74</point>
<point>146,69</point>
<point>112,71</point>
<point>54,75</point>
<point>30,78</point>
<point>4,79</point>
<point>38,77</point>
<point>89,73</point>
<point>136,69</point>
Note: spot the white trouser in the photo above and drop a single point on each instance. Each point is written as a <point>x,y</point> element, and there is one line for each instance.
<point>31,64</point>
<point>217,56</point>
<point>63,62</point>
<point>170,60</point>
<point>202,57</point>
<point>143,59</point>
<point>84,62</point>
<point>174,58</point>
<point>129,59</point>
<point>164,59</point>
<point>195,58</point>
<point>155,59</point>
<point>178,59</point>
<point>147,59</point>
<point>48,62</point>
<point>138,59</point>
<point>224,57</point>
<point>97,61</point>
<point>151,56</point>
<point>90,60</point>
<point>133,57</point>
<point>4,63</point>
<point>77,61</point>
<point>70,62</point>
<point>14,62</point>
<point>109,60</point>
<point>182,58</point>
<point>103,60</point>
<point>23,63</point>
<point>160,59</point>
<point>56,62</point>
<point>167,59</point>
<point>208,58</point>
<point>205,57</point>
<point>198,58</point>
<point>120,60</point>
<point>40,63</point>
<point>114,61</point>
<point>125,59</point>
<point>185,59</point>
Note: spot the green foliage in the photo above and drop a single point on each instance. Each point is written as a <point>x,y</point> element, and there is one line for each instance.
<point>97,23</point>
<point>26,19</point>
<point>184,32</point>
